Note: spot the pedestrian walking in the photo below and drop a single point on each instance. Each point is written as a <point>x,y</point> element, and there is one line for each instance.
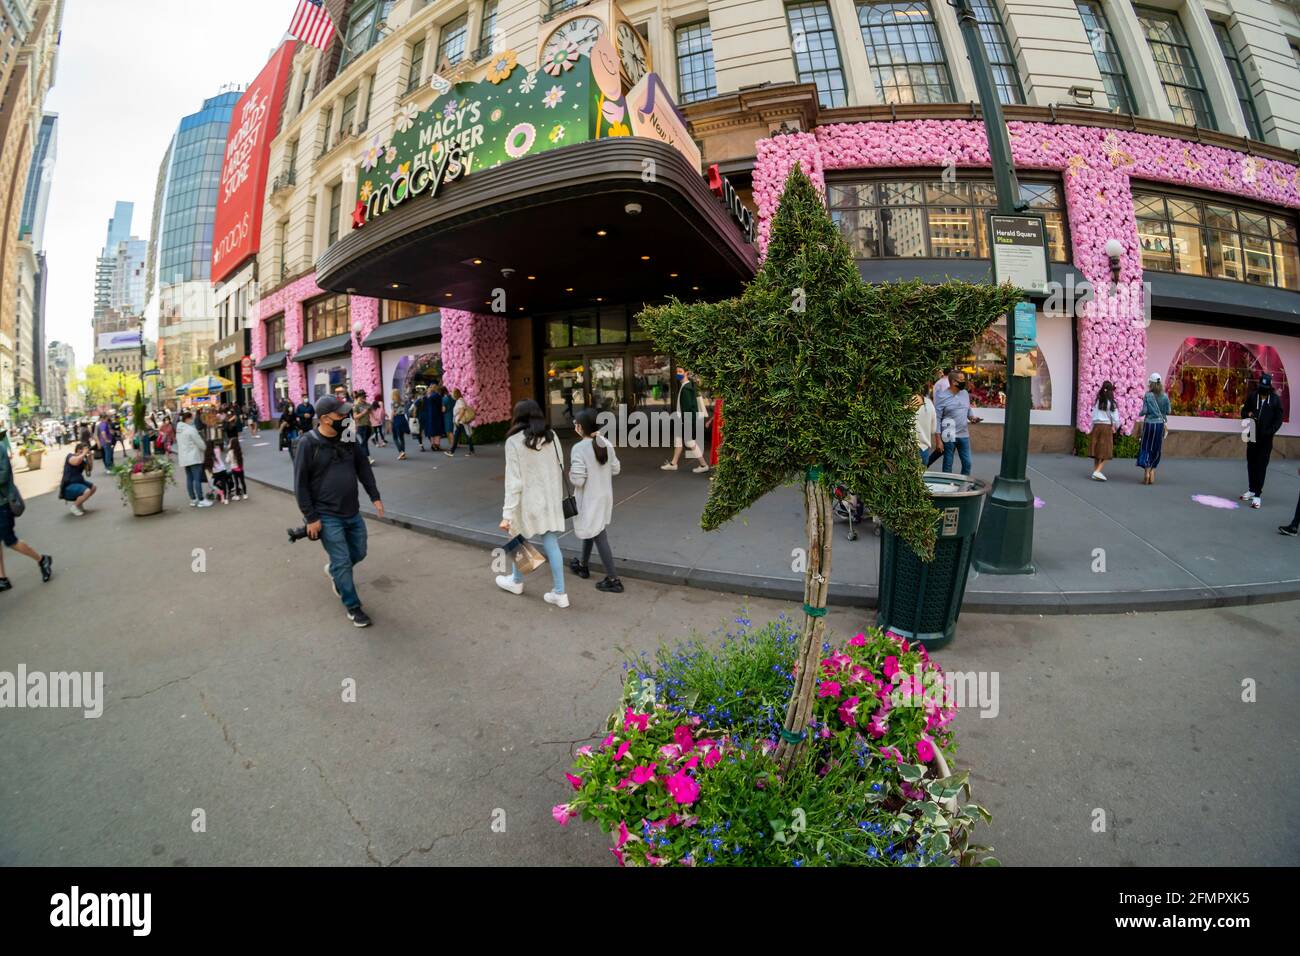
<point>1155,416</point>
<point>534,495</point>
<point>305,413</point>
<point>325,478</point>
<point>401,425</point>
<point>361,423</point>
<point>191,450</point>
<point>413,419</point>
<point>11,506</point>
<point>448,411</point>
<point>214,463</point>
<point>953,410</point>
<point>1262,416</point>
<point>926,423</point>
<point>288,429</point>
<point>690,424</point>
<point>592,468</point>
<point>378,416</point>
<point>1105,422</point>
<point>75,487</point>
<point>104,434</point>
<point>462,414</point>
<point>431,421</point>
<point>235,462</point>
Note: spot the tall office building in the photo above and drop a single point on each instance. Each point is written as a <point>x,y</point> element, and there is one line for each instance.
<point>119,229</point>
<point>29,37</point>
<point>180,246</point>
<point>61,379</point>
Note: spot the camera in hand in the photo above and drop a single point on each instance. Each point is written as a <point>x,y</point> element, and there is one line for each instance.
<point>296,534</point>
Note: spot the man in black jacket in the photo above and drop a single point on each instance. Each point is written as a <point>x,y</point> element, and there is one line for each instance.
<point>1264,409</point>
<point>325,475</point>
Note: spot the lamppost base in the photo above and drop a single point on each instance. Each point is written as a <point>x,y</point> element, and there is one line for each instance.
<point>1005,541</point>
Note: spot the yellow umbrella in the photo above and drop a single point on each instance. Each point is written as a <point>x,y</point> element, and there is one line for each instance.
<point>206,385</point>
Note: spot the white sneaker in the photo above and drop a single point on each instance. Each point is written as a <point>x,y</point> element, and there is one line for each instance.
<point>205,503</point>
<point>1247,496</point>
<point>1098,476</point>
<point>668,466</point>
<point>1257,502</point>
<point>225,501</point>
<point>506,582</point>
<point>559,600</point>
<point>700,470</point>
<point>77,510</point>
<point>193,503</point>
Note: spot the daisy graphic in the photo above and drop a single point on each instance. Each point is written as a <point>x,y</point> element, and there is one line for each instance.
<point>371,158</point>
<point>501,66</point>
<point>553,96</point>
<point>562,59</point>
<point>390,155</point>
<point>406,117</point>
<point>449,111</point>
<point>528,82</point>
<point>366,189</point>
<point>557,133</point>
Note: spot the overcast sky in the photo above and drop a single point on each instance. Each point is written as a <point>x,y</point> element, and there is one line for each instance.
<point>128,70</point>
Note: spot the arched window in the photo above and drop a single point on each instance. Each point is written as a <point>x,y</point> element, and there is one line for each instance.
<point>986,373</point>
<point>1211,378</point>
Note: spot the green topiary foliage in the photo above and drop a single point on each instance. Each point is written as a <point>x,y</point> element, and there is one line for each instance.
<point>816,368</point>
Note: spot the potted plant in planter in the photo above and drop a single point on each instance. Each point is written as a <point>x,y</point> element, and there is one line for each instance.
<point>141,481</point>
<point>33,451</point>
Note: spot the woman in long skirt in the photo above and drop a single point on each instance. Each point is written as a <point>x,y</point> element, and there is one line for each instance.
<point>1155,415</point>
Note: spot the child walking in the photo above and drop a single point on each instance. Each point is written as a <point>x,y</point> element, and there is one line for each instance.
<point>236,462</point>
<point>215,466</point>
<point>591,471</point>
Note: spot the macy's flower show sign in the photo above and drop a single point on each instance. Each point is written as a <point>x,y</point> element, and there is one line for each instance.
<point>511,114</point>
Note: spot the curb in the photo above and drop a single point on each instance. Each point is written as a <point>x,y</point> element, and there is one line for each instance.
<point>851,595</point>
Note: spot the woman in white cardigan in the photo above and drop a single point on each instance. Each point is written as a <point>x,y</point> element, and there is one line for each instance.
<point>534,495</point>
<point>592,471</point>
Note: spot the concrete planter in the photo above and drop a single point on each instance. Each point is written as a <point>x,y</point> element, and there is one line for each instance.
<point>34,460</point>
<point>147,494</point>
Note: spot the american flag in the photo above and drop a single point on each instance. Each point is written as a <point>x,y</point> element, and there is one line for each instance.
<point>312,24</point>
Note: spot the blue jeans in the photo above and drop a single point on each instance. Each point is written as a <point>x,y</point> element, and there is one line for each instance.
<point>962,446</point>
<point>194,482</point>
<point>550,545</point>
<point>345,542</point>
<point>108,458</point>
<point>925,458</point>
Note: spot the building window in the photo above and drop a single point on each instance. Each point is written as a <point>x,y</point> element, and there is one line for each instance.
<point>1003,62</point>
<point>416,76</point>
<point>1238,80</point>
<point>349,112</point>
<point>486,28</point>
<point>325,317</point>
<point>291,159</point>
<point>1213,378</point>
<point>274,330</point>
<point>1113,75</point>
<point>930,219</point>
<point>395,311</point>
<point>816,56</point>
<point>1181,233</point>
<point>329,126</point>
<point>1179,74</point>
<point>559,6</point>
<point>695,77</point>
<point>336,213</point>
<point>907,60</point>
<point>451,48</point>
<point>1295,55</point>
<point>363,28</point>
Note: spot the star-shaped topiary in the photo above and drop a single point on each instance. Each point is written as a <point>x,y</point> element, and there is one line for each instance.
<point>816,369</point>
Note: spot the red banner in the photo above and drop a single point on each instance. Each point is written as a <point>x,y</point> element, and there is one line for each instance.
<point>238,229</point>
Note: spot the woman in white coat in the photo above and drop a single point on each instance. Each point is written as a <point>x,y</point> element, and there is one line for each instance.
<point>534,503</point>
<point>592,472</point>
<point>191,450</point>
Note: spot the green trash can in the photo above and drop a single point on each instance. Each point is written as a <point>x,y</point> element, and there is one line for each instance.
<point>920,600</point>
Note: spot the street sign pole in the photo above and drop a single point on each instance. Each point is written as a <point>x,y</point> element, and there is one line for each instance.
<point>1005,541</point>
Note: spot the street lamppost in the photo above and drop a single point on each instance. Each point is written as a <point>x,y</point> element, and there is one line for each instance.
<point>1005,542</point>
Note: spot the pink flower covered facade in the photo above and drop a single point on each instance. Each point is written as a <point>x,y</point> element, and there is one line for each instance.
<point>1097,167</point>
<point>476,359</point>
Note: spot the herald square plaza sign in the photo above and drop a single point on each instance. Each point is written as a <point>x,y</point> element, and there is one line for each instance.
<point>237,230</point>
<point>511,114</point>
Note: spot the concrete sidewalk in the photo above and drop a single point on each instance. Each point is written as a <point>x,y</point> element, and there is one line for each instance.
<point>1099,547</point>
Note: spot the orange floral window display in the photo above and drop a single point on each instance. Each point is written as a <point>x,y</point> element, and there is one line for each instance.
<point>1212,378</point>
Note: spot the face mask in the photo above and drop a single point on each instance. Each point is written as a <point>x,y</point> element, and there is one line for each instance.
<point>681,378</point>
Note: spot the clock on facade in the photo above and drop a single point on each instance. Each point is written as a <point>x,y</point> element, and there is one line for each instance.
<point>577,30</point>
<point>581,31</point>
<point>632,53</point>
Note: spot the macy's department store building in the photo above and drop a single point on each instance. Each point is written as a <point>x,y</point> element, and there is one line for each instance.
<point>505,237</point>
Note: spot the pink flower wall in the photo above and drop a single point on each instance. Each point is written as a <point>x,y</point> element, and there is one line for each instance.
<point>476,359</point>
<point>1097,166</point>
<point>364,313</point>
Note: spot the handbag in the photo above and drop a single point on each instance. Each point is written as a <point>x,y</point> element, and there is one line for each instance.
<point>526,557</point>
<point>16,504</point>
<point>570,501</point>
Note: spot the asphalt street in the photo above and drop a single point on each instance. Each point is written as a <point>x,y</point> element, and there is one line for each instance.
<point>226,656</point>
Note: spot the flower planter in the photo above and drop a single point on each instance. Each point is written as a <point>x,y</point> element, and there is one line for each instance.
<point>147,494</point>
<point>34,460</point>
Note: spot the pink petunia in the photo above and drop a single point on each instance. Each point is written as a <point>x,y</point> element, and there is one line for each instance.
<point>583,752</point>
<point>635,721</point>
<point>924,750</point>
<point>891,666</point>
<point>840,660</point>
<point>671,751</point>
<point>623,835</point>
<point>848,711</point>
<point>682,787</point>
<point>622,749</point>
<point>655,860</point>
<point>828,688</point>
<point>682,737</point>
<point>712,758</point>
<point>859,674</point>
<point>877,727</point>
<point>858,640</point>
<point>693,762</point>
<point>576,781</point>
<point>618,855</point>
<point>892,753</point>
<point>562,814</point>
<point>607,741</point>
<point>643,774</point>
